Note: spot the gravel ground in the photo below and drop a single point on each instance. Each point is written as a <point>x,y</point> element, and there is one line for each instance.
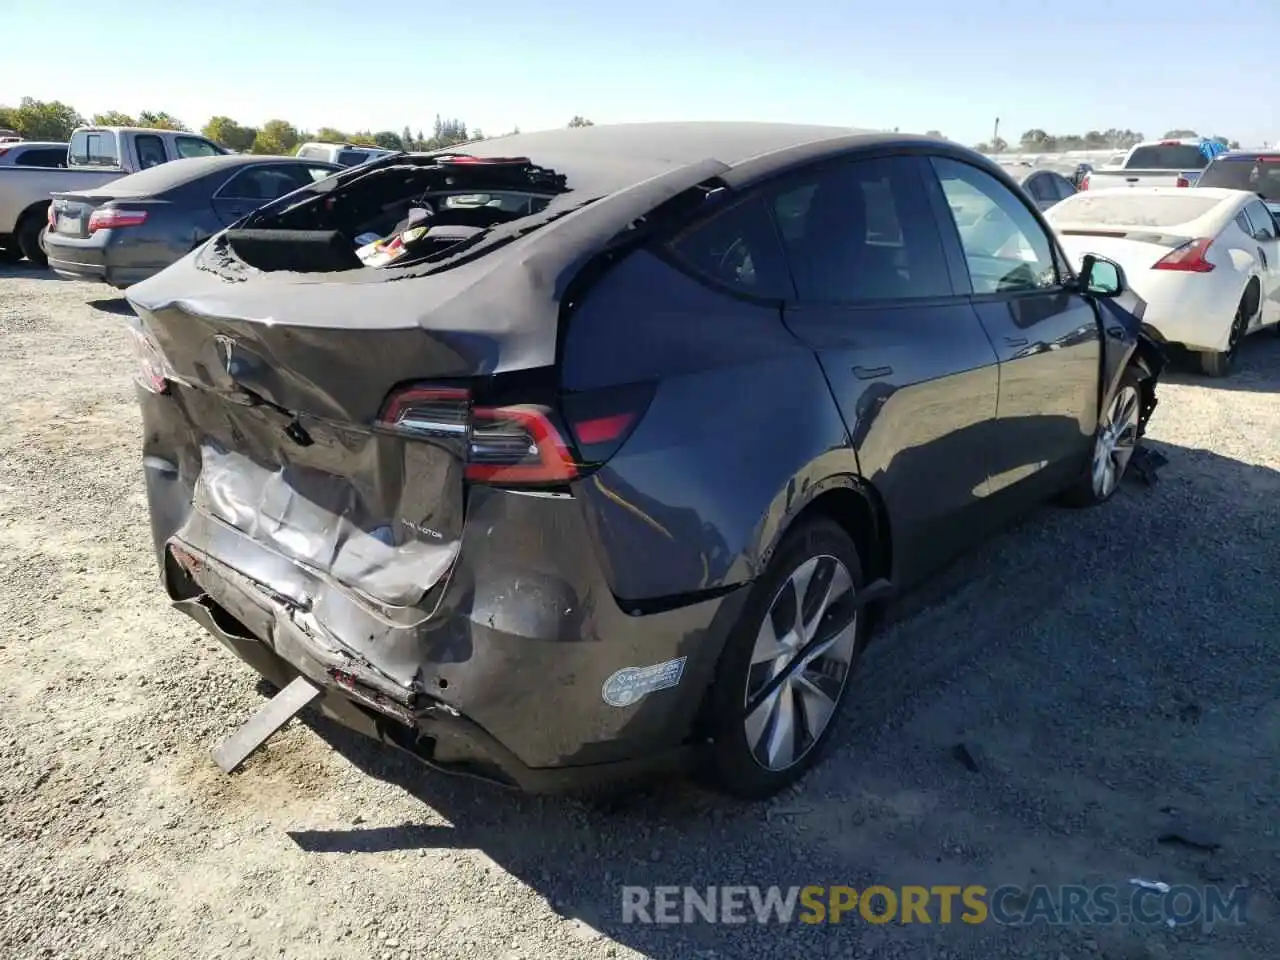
<point>1112,675</point>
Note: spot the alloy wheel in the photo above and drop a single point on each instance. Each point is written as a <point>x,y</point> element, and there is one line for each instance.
<point>1117,439</point>
<point>802,657</point>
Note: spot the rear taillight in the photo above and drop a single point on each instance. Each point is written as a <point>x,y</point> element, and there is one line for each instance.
<point>110,218</point>
<point>1189,258</point>
<point>1182,182</point>
<point>1084,182</point>
<point>51,217</point>
<point>520,444</point>
<point>151,372</point>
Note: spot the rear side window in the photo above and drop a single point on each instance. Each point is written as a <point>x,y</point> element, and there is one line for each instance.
<point>862,231</point>
<point>313,153</point>
<point>1178,156</point>
<point>150,151</point>
<point>737,247</point>
<point>266,182</point>
<point>41,157</point>
<point>94,148</point>
<point>351,158</point>
<point>195,147</point>
<point>1040,187</point>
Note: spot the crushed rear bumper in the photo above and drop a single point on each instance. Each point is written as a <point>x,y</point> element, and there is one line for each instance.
<point>443,740</point>
<point>520,662</point>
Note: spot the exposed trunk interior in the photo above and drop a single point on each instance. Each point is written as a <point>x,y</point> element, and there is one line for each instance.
<point>428,208</point>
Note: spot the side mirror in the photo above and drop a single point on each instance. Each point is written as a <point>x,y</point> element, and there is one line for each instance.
<point>1100,277</point>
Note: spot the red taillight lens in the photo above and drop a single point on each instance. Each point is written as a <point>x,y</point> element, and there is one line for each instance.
<point>520,444</point>
<point>1182,182</point>
<point>51,217</point>
<point>1084,182</point>
<point>109,218</point>
<point>151,372</point>
<point>517,445</point>
<point>1189,258</point>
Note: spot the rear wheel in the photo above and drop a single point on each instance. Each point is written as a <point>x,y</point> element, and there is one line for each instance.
<point>1220,364</point>
<point>783,675</point>
<point>28,235</point>
<point>1114,443</point>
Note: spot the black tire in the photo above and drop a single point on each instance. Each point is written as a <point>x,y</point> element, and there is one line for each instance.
<point>28,235</point>
<point>733,768</point>
<point>1220,364</point>
<point>10,254</point>
<point>1084,492</point>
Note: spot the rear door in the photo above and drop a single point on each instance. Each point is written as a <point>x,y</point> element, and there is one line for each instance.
<point>1047,337</point>
<point>910,367</point>
<point>250,188</point>
<point>1263,231</point>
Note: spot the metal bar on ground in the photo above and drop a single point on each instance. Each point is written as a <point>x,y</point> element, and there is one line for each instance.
<point>269,718</point>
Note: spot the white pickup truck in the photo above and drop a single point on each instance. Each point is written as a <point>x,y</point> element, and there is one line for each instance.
<point>1156,163</point>
<point>95,155</point>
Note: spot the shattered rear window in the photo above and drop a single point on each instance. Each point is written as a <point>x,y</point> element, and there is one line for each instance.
<point>406,213</point>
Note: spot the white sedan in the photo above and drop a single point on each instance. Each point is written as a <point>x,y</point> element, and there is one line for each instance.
<point>1205,262</point>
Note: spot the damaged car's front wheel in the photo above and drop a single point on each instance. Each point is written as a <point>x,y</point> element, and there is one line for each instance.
<point>785,671</point>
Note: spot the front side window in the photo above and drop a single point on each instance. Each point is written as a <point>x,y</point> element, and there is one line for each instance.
<point>861,231</point>
<point>737,247</point>
<point>1005,247</point>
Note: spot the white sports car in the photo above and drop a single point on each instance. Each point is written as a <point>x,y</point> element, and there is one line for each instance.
<point>1205,262</point>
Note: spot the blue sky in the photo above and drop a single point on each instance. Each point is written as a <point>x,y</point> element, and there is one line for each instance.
<point>1065,66</point>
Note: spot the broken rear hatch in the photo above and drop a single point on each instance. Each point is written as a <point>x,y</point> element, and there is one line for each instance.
<point>278,365</point>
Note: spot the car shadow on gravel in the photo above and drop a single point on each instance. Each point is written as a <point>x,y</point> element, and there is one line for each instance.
<point>1257,368</point>
<point>1091,696</point>
<point>118,306</point>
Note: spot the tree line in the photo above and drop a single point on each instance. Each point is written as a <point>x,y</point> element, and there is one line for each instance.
<point>53,120</point>
<point>1039,141</point>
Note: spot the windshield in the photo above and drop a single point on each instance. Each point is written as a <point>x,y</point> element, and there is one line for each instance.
<point>1181,156</point>
<point>1256,174</point>
<point>1126,210</point>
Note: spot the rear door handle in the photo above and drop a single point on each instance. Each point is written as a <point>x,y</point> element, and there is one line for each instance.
<point>870,373</point>
<point>1016,341</point>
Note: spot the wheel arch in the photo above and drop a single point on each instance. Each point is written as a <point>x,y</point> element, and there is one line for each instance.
<point>38,209</point>
<point>857,508</point>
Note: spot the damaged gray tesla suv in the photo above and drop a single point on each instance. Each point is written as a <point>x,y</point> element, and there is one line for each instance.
<point>568,457</point>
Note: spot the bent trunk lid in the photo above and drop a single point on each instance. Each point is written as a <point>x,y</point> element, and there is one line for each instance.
<point>278,422</point>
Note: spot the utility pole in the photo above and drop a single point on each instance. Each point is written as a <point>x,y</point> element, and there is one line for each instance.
<point>995,136</point>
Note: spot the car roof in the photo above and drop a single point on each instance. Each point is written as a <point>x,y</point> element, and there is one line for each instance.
<point>606,157</point>
<point>175,173</point>
<point>43,144</point>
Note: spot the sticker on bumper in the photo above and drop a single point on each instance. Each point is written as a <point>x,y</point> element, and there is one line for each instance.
<point>631,684</point>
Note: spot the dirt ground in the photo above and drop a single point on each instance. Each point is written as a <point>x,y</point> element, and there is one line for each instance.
<point>1113,676</point>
